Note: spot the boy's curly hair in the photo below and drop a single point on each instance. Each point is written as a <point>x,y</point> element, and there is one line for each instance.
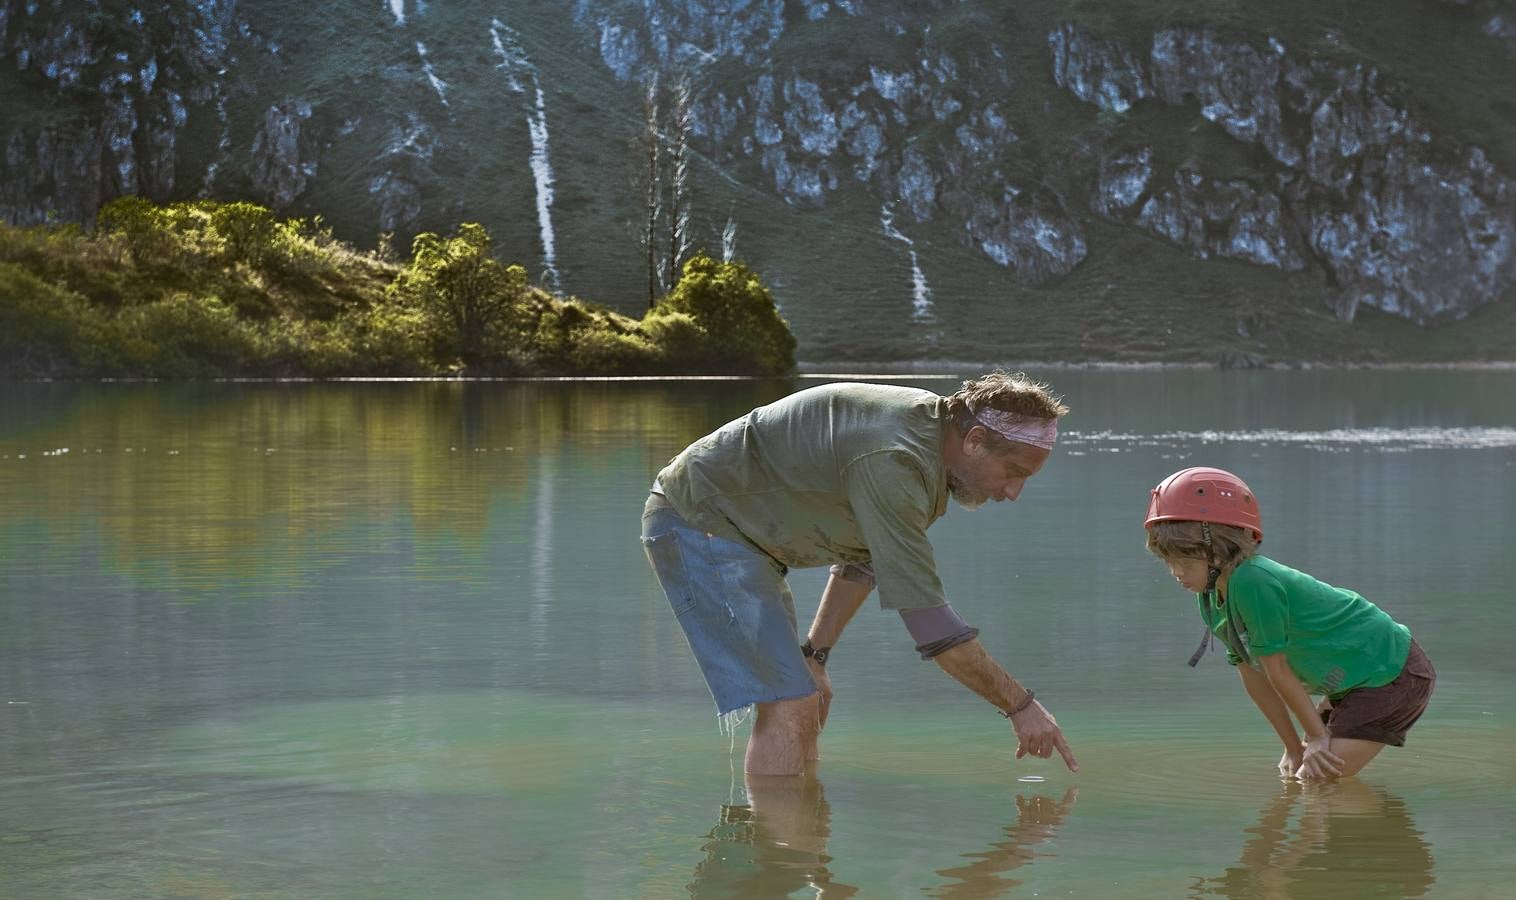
<point>1230,545</point>
<point>1012,392</point>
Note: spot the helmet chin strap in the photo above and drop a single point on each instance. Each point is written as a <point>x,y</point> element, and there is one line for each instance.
<point>1212,573</point>
<point>1211,576</point>
<point>1210,558</point>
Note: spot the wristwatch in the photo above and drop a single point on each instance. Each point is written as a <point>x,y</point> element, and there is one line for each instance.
<point>819,654</point>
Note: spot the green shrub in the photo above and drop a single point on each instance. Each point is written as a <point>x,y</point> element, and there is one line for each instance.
<point>205,288</point>
<point>608,352</point>
<point>138,222</point>
<point>246,229</point>
<point>676,338</point>
<point>740,328</point>
<point>47,331</point>
<point>389,340</point>
<point>464,295</point>
<point>188,336</point>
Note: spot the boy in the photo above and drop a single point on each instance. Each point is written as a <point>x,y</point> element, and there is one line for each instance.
<point>1295,636</point>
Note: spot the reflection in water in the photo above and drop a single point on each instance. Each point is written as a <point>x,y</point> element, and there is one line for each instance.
<point>300,637</point>
<point>772,847</point>
<point>776,846</point>
<point>1350,840</point>
<point>1390,440</point>
<point>1038,819</point>
<point>200,485</point>
<point>543,516</point>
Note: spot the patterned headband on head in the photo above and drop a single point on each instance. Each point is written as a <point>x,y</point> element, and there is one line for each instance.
<point>1037,432</point>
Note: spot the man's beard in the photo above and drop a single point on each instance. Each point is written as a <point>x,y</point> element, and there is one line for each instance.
<point>962,495</point>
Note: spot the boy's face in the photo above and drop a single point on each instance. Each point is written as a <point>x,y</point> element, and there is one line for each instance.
<point>1191,573</point>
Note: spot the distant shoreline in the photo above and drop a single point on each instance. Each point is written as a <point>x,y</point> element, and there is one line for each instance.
<point>816,370</point>
<point>937,367</point>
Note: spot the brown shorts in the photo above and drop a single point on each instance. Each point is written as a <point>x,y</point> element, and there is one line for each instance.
<point>1386,713</point>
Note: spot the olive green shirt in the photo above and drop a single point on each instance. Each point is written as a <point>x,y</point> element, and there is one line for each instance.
<point>1333,639</point>
<point>844,473</point>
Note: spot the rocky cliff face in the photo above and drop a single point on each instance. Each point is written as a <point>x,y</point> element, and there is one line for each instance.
<point>1021,139</point>
<point>1358,188</point>
<point>929,138</point>
<point>1398,218</point>
<point>131,79</point>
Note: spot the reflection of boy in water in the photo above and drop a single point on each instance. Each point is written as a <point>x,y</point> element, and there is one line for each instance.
<point>1351,840</point>
<point>1298,636</point>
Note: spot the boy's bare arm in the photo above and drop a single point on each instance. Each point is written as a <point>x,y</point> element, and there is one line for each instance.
<point>1036,730</point>
<point>1269,703</point>
<point>1293,694</point>
<point>1319,758</point>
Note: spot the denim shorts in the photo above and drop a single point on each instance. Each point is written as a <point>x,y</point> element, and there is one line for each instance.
<point>735,607</point>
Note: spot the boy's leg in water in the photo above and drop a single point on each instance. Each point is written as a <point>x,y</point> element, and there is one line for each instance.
<point>1367,720</point>
<point>1355,753</point>
<point>784,732</point>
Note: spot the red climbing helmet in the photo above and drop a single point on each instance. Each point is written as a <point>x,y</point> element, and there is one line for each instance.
<point>1203,494</point>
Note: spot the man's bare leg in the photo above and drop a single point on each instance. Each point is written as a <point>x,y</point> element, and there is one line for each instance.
<point>813,737</point>
<point>784,732</point>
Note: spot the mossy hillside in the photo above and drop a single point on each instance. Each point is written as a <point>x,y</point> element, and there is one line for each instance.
<point>210,289</point>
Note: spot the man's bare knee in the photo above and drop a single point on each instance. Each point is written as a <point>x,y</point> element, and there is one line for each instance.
<point>781,734</point>
<point>799,715</point>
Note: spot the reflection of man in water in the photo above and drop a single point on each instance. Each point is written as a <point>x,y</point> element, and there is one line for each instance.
<point>772,847</point>
<point>1038,819</point>
<point>847,475</point>
<point>776,846</point>
<point>1350,840</point>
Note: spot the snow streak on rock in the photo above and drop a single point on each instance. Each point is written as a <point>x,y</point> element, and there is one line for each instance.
<point>516,66</point>
<point>921,293</point>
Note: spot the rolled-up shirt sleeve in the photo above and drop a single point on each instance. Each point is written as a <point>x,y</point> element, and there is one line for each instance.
<point>937,629</point>
<point>857,573</point>
<point>893,507</point>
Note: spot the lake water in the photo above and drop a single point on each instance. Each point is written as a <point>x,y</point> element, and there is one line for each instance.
<point>399,640</point>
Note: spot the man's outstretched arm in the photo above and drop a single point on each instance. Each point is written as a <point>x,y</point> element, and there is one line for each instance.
<point>1036,730</point>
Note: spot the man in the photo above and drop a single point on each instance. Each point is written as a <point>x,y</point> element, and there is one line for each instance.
<point>849,475</point>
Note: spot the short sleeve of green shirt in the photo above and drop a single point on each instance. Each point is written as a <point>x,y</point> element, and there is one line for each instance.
<point>893,505</point>
<point>1258,600</point>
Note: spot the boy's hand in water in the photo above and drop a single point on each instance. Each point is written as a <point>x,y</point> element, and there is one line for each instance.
<point>1038,734</point>
<point>1290,762</point>
<point>1318,760</point>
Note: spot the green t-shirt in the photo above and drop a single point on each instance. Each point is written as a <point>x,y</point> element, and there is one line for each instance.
<point>844,473</point>
<point>1333,639</point>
